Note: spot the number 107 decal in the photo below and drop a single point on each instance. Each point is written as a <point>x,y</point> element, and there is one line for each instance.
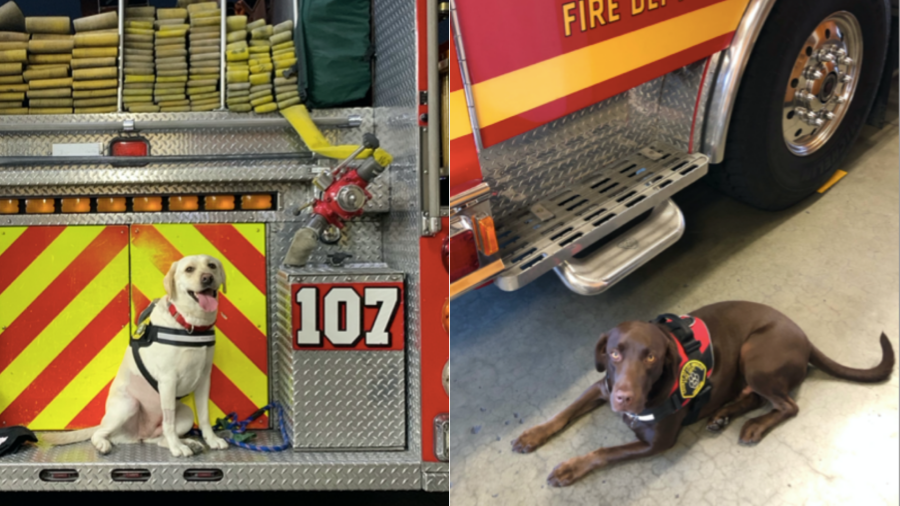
<point>348,317</point>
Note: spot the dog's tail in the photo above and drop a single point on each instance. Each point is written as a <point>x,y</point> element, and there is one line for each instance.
<point>69,437</point>
<point>878,373</point>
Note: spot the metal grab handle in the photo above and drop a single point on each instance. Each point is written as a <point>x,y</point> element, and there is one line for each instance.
<point>133,125</point>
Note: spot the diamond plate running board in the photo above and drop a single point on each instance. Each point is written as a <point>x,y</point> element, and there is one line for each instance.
<point>552,231</point>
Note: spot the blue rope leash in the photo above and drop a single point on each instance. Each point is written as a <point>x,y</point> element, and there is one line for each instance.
<point>240,427</point>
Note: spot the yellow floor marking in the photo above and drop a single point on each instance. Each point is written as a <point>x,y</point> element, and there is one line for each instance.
<point>63,329</point>
<point>838,174</point>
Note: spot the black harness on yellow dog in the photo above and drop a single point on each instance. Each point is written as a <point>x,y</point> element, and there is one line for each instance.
<point>147,334</point>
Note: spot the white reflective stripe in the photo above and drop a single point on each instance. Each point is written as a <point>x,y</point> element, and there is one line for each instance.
<point>211,338</point>
<point>645,418</point>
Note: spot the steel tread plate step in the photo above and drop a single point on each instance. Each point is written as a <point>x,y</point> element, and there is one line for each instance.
<point>552,231</point>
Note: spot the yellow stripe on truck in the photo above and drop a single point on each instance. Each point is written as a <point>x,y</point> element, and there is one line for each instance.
<point>460,125</point>
<point>85,386</point>
<point>26,367</point>
<point>525,89</point>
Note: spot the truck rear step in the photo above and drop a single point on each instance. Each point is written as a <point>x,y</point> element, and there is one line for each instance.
<point>552,231</point>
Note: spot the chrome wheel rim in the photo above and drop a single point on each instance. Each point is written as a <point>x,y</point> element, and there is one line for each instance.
<point>822,83</point>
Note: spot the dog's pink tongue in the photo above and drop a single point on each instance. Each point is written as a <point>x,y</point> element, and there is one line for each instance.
<point>207,302</point>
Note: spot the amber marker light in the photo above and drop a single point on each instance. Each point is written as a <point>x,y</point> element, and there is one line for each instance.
<point>76,205</point>
<point>9,206</point>
<point>39,206</point>
<point>487,236</point>
<point>111,205</point>
<point>256,202</point>
<point>184,203</point>
<point>218,202</point>
<point>146,204</point>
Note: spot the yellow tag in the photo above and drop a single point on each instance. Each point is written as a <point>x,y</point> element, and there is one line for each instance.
<point>693,377</point>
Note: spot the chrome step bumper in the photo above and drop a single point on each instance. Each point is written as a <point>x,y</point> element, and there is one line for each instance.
<point>611,263</point>
<point>552,231</point>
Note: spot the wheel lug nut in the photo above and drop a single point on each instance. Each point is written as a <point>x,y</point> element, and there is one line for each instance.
<point>841,100</point>
<point>828,115</point>
<point>846,78</point>
<point>818,122</point>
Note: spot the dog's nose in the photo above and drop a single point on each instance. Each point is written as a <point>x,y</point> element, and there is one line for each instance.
<point>206,279</point>
<point>623,397</point>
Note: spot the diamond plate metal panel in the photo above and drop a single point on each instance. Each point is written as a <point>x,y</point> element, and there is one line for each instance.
<point>395,102</point>
<point>544,161</point>
<point>242,469</point>
<point>677,103</point>
<point>339,399</point>
<point>436,482</point>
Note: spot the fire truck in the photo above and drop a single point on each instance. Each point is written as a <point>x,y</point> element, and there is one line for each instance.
<point>336,312</point>
<point>582,118</point>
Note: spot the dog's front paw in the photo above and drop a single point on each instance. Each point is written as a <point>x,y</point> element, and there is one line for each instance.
<point>716,425</point>
<point>180,449</point>
<point>530,440</point>
<point>101,444</point>
<point>216,443</point>
<point>567,473</point>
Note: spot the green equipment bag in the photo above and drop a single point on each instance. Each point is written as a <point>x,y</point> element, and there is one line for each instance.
<point>334,50</point>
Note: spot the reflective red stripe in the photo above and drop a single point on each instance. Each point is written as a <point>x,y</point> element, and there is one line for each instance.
<point>93,413</point>
<point>249,339</point>
<point>697,106</point>
<point>239,251</point>
<point>556,109</point>
<point>230,398</point>
<point>70,361</point>
<point>19,255</point>
<point>70,282</point>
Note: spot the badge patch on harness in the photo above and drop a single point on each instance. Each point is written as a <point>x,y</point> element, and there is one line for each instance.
<point>693,377</point>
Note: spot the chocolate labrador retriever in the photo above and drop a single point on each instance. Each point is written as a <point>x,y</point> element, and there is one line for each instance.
<point>718,363</point>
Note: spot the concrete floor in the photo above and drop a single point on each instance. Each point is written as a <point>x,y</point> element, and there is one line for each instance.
<point>830,263</point>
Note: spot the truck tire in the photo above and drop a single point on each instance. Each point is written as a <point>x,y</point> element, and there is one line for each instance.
<point>789,129</point>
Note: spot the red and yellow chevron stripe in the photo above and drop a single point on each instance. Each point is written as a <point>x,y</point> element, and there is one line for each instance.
<point>240,367</point>
<point>63,322</point>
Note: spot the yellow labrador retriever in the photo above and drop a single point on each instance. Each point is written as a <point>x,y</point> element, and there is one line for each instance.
<point>172,358</point>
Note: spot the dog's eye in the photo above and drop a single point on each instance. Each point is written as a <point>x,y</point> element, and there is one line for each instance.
<point>650,358</point>
<point>189,270</point>
<point>211,266</point>
<point>615,355</point>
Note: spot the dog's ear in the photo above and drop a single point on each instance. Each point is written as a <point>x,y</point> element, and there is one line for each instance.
<point>600,352</point>
<point>169,281</point>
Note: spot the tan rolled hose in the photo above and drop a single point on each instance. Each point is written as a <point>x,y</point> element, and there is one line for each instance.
<point>160,86</point>
<point>51,46</point>
<point>134,37</point>
<point>40,84</point>
<point>109,92</point>
<point>204,21</point>
<point>206,29</point>
<point>174,103</point>
<point>138,45</point>
<point>50,93</point>
<point>281,81</point>
<point>202,6</point>
<point>49,58</point>
<point>139,31</point>
<point>284,104</point>
<point>237,101</point>
<point>50,110</point>
<point>264,108</point>
<point>165,99</point>
<point>48,24</point>
<point>172,79</point>
<point>204,57</point>
<point>282,37</point>
<point>143,25</point>
<point>10,105</point>
<point>284,26</point>
<point>12,96</point>
<point>262,32</point>
<point>167,53</point>
<point>254,25</point>
<point>260,94</point>
<point>205,108</point>
<point>5,46</point>
<point>183,108</point>
<point>283,45</point>
<point>11,79</point>
<point>139,86</point>
<point>241,107</point>
<point>13,36</point>
<point>136,99</point>
<point>235,23</point>
<point>285,88</point>
<point>171,13</point>
<point>172,66</point>
<point>205,96</point>
<point>202,82</point>
<point>50,102</point>
<point>139,71</point>
<point>18,110</point>
<point>11,18</point>
<point>196,37</point>
<point>95,84</point>
<point>130,92</point>
<point>102,21</point>
<point>96,110</point>
<point>84,63</point>
<point>13,55</point>
<point>95,52</point>
<point>95,102</point>
<point>143,108</point>
<point>191,91</point>
<point>51,73</point>
<point>94,39</point>
<point>9,69</point>
<point>6,88</point>
<point>236,36</point>
<point>260,43</point>
<point>96,73</point>
<point>285,96</point>
<point>207,14</point>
